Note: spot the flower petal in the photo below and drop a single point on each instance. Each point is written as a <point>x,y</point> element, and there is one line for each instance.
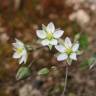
<point>58,33</point>
<point>24,57</point>
<point>67,42</point>
<point>19,43</point>
<point>75,47</point>
<point>21,60</point>
<point>45,42</point>
<point>60,48</point>
<point>53,42</point>
<point>14,45</point>
<point>51,27</point>
<point>73,56</point>
<point>41,34</point>
<point>62,57</point>
<point>16,55</point>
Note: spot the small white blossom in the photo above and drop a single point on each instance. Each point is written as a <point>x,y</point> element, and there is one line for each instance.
<point>20,51</point>
<point>49,35</point>
<point>67,50</point>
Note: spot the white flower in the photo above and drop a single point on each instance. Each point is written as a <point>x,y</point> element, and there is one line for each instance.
<point>68,51</point>
<point>20,51</point>
<point>49,35</point>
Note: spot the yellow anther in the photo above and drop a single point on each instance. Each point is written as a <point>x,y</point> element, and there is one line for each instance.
<point>19,50</point>
<point>49,35</point>
<point>69,51</point>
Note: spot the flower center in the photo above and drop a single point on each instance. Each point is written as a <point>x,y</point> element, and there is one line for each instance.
<point>19,50</point>
<point>49,35</point>
<point>69,51</point>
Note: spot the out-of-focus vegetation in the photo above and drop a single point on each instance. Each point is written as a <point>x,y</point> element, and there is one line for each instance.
<point>20,19</point>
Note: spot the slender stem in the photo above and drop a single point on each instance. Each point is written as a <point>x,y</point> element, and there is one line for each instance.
<point>65,83</point>
<point>30,65</point>
<point>38,48</point>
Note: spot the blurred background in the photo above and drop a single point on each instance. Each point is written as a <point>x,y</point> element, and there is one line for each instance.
<point>20,19</point>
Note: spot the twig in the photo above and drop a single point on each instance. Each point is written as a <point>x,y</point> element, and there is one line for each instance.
<point>65,83</point>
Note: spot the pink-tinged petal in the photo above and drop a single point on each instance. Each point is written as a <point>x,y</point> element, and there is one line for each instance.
<point>60,48</point>
<point>51,27</point>
<point>73,56</point>
<point>58,33</point>
<point>75,47</point>
<point>45,42</point>
<point>41,34</point>
<point>53,42</point>
<point>67,42</point>
<point>62,57</point>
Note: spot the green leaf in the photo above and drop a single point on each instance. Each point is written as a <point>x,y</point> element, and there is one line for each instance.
<point>69,61</point>
<point>44,27</point>
<point>23,73</point>
<point>88,63</point>
<point>77,37</point>
<point>83,41</point>
<point>79,52</point>
<point>50,47</point>
<point>29,47</point>
<point>43,71</point>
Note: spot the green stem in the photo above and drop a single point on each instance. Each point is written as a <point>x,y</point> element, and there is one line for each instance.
<point>65,83</point>
<point>31,50</point>
<point>39,48</point>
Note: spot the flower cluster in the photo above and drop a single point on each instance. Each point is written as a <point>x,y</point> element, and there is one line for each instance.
<point>49,36</point>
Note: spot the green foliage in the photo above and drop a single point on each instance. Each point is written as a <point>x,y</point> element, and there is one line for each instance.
<point>76,37</point>
<point>83,41</point>
<point>43,71</point>
<point>89,63</point>
<point>94,55</point>
<point>50,47</point>
<point>69,61</point>
<point>23,73</point>
<point>85,64</point>
<point>29,47</point>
